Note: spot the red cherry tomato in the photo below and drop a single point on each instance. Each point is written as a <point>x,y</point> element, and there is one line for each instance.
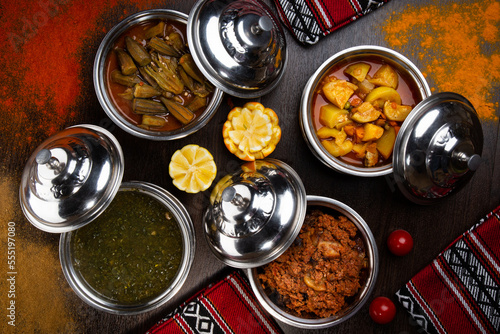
<point>400,242</point>
<point>382,310</point>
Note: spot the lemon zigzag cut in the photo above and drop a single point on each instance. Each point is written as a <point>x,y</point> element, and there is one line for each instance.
<point>192,168</point>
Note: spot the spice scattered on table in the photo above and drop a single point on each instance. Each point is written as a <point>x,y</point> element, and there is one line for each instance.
<point>456,45</point>
<point>47,85</point>
<point>37,285</point>
<point>47,62</point>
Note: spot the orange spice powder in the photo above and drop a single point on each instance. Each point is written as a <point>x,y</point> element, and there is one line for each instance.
<point>458,46</point>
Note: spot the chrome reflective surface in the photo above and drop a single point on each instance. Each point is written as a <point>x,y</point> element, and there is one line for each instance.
<point>255,213</point>
<point>365,290</point>
<point>238,45</point>
<point>71,178</point>
<point>105,99</point>
<point>352,54</point>
<point>438,148</point>
<point>94,299</point>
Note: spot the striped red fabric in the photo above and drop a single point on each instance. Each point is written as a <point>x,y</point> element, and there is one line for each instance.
<point>310,20</point>
<point>227,306</point>
<point>459,292</point>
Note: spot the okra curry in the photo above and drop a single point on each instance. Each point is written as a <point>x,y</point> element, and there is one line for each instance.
<point>152,78</point>
<point>358,109</point>
<point>132,252</point>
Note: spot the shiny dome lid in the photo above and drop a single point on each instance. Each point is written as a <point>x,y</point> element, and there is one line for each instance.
<point>238,45</point>
<point>255,214</point>
<point>71,178</point>
<point>438,148</point>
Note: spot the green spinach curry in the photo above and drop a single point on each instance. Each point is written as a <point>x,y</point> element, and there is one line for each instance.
<point>132,251</point>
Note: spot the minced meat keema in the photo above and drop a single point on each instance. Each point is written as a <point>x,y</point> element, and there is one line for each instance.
<point>322,269</point>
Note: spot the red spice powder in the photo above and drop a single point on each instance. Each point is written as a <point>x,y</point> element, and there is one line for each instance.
<point>456,44</point>
<point>42,57</point>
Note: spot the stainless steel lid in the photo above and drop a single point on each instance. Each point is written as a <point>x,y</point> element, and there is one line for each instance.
<point>238,45</point>
<point>255,214</point>
<point>71,178</point>
<point>438,148</point>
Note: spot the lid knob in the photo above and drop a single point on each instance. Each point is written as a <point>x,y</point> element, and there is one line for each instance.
<point>238,45</point>
<point>244,208</point>
<point>474,161</point>
<point>247,37</point>
<point>264,24</point>
<point>44,157</point>
<point>471,162</point>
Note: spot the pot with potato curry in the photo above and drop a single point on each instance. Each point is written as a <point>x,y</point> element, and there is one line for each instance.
<point>358,109</point>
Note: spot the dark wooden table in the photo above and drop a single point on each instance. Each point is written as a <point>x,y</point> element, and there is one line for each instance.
<point>376,199</point>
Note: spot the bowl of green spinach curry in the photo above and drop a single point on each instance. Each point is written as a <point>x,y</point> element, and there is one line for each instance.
<point>133,257</point>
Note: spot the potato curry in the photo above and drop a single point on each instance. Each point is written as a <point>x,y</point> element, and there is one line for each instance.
<point>358,110</point>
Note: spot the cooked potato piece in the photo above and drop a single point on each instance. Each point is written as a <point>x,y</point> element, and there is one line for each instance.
<point>372,132</point>
<point>379,95</point>
<point>337,150</point>
<point>365,87</point>
<point>360,149</point>
<point>338,92</point>
<point>317,286</point>
<point>340,137</point>
<point>330,115</point>
<point>385,144</point>
<point>371,157</point>
<point>396,112</point>
<point>365,113</point>
<point>341,125</point>
<point>358,71</point>
<point>385,76</point>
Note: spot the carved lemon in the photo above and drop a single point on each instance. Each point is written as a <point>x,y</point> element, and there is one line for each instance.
<point>251,132</point>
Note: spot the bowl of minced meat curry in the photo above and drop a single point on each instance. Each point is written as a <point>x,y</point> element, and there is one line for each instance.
<point>326,275</point>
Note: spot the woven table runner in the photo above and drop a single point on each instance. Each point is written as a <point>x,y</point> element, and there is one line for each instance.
<point>227,306</point>
<point>310,20</point>
<point>459,292</point>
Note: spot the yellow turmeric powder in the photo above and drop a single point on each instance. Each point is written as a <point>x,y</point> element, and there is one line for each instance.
<point>458,46</point>
<point>32,288</point>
